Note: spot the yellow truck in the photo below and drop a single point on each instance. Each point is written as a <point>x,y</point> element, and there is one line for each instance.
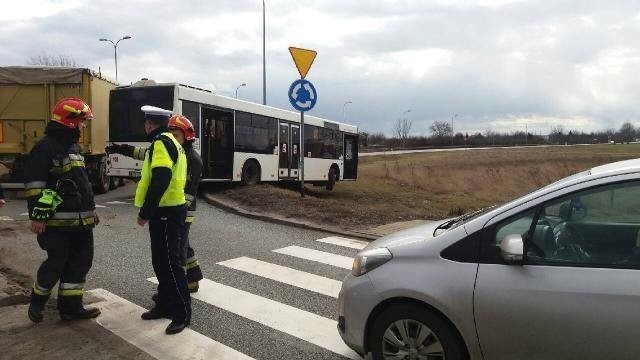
<point>27,95</point>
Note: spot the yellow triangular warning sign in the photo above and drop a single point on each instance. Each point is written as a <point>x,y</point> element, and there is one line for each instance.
<point>303,59</point>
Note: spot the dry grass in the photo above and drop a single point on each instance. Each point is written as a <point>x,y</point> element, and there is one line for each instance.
<point>430,185</point>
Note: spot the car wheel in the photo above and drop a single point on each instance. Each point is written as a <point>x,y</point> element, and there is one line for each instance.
<point>250,173</point>
<point>409,331</point>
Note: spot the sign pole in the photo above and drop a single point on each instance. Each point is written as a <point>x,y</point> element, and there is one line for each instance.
<point>302,153</point>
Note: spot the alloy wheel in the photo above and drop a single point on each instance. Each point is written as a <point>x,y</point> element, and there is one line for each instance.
<point>409,339</point>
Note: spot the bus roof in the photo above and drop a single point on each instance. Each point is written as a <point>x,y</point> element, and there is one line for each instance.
<point>207,97</point>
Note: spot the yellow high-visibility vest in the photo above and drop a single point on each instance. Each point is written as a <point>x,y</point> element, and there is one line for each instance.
<point>174,195</point>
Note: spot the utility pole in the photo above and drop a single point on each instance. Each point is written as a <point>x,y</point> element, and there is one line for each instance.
<point>452,132</point>
<point>264,55</point>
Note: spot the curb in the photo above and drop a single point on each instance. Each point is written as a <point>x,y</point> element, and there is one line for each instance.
<point>226,206</point>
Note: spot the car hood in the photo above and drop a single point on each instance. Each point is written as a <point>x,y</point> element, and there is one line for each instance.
<point>417,233</point>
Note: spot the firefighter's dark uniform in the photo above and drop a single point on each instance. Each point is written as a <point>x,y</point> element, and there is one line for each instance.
<point>194,174</point>
<point>160,195</point>
<point>56,165</point>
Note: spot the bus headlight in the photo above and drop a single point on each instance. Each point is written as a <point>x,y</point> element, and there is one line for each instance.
<point>368,260</point>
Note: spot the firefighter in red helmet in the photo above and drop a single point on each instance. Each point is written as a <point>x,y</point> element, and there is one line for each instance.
<point>62,212</point>
<point>184,132</point>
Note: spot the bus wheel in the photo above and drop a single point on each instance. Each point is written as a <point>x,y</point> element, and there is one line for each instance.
<point>250,173</point>
<point>332,178</point>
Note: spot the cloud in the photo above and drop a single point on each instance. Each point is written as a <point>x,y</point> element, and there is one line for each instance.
<point>493,62</point>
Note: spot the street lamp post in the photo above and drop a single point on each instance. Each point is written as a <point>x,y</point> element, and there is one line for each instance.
<point>452,132</point>
<point>264,60</point>
<point>344,109</point>
<point>239,86</point>
<point>115,50</point>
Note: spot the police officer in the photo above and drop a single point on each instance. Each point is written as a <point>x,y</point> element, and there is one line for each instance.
<point>61,210</point>
<point>160,197</point>
<point>185,133</point>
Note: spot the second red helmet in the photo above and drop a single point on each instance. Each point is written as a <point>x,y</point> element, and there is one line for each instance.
<point>70,112</point>
<point>181,122</point>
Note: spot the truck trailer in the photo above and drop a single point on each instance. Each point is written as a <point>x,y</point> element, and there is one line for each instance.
<point>27,96</point>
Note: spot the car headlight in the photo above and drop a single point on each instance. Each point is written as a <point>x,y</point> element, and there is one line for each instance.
<point>368,260</point>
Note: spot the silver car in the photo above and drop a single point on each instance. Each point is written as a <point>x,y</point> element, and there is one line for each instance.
<point>552,275</point>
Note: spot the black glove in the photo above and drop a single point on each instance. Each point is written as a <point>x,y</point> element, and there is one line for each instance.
<point>123,149</point>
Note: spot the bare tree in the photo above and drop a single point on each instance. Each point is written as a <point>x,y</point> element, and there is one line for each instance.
<point>401,130</point>
<point>627,132</point>
<point>557,135</point>
<point>441,129</point>
<point>53,60</point>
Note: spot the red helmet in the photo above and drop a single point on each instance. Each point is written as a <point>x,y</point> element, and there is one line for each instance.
<point>182,123</point>
<point>70,112</point>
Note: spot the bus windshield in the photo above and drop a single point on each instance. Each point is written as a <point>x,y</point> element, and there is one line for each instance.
<point>126,120</point>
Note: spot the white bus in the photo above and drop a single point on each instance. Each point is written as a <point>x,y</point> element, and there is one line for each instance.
<point>238,140</point>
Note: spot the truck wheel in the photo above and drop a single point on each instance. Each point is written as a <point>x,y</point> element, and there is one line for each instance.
<point>113,183</point>
<point>250,173</point>
<point>103,180</point>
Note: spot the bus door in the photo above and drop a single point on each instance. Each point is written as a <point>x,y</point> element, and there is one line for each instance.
<point>295,151</point>
<point>289,151</point>
<point>217,144</point>
<point>350,156</point>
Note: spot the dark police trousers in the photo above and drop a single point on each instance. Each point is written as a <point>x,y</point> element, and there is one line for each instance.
<point>166,229</point>
<point>69,258</point>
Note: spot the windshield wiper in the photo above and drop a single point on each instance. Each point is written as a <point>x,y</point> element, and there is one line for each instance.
<point>448,224</point>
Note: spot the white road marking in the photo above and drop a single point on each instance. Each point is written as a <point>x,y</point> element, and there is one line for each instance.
<point>6,218</point>
<point>344,242</point>
<point>122,318</point>
<point>301,279</point>
<point>100,206</point>
<point>116,202</point>
<point>318,256</point>
<point>24,214</point>
<point>302,324</point>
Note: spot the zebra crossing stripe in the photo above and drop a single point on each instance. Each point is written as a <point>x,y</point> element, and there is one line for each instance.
<point>283,274</point>
<point>302,324</point>
<point>122,318</point>
<point>317,256</point>
<point>344,242</point>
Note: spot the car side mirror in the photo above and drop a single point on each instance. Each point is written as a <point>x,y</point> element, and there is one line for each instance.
<point>512,249</point>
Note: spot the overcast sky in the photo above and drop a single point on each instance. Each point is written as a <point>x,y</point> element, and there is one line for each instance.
<point>498,64</point>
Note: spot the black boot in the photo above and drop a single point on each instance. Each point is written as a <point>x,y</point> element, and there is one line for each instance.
<point>193,287</point>
<point>176,326</point>
<point>154,297</point>
<point>36,307</point>
<point>35,312</point>
<point>81,314</point>
<point>155,313</point>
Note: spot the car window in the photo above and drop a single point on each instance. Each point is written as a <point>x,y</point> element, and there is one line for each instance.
<point>517,225</point>
<point>596,227</point>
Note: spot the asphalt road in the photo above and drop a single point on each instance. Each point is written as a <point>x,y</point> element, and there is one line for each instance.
<point>122,265</point>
